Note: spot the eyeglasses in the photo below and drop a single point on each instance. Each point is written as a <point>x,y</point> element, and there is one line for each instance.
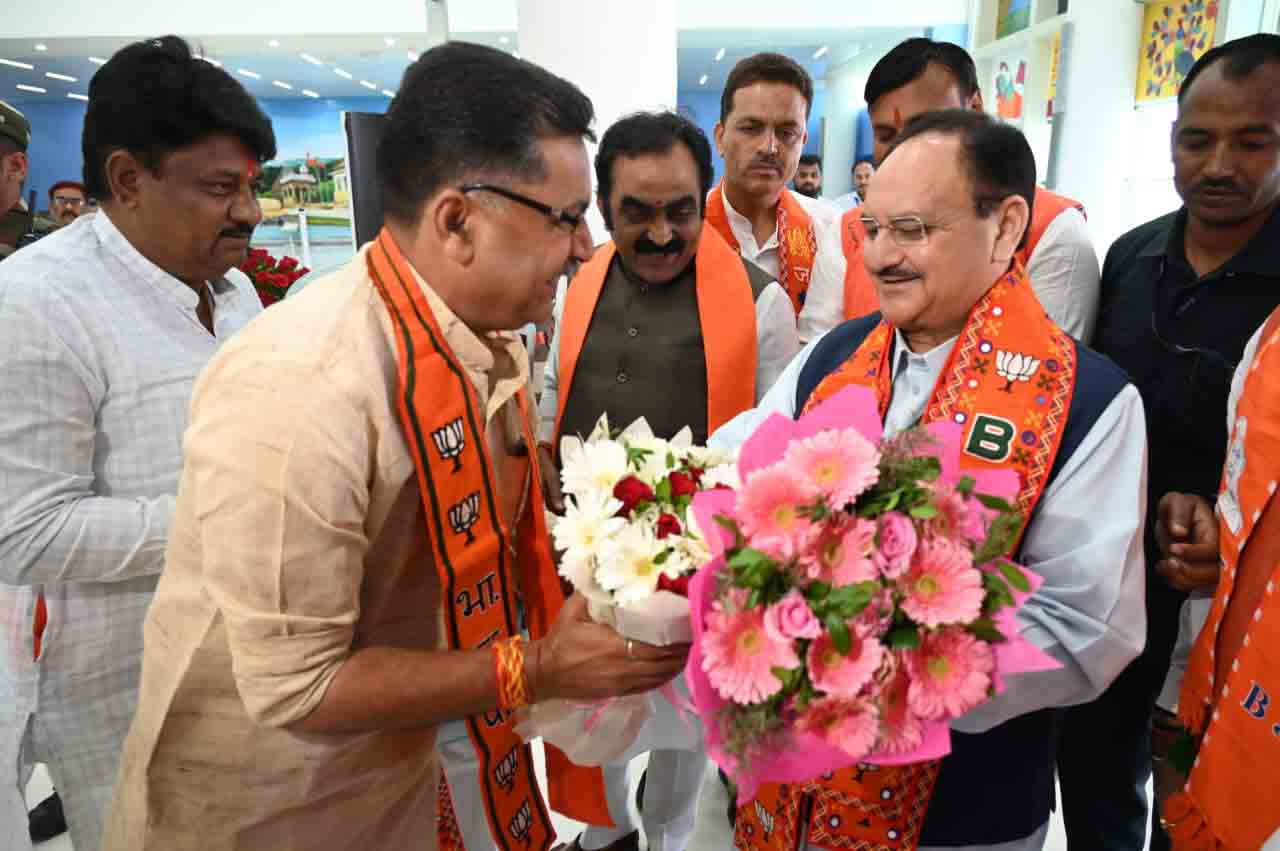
<point>904,230</point>
<point>69,202</point>
<point>561,218</point>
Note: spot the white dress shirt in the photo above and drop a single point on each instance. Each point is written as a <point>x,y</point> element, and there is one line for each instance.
<point>776,345</point>
<point>99,349</point>
<point>826,285</point>
<point>848,201</point>
<point>1085,541</point>
<point>1063,270</point>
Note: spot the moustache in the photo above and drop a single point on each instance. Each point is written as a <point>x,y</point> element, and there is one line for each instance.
<point>767,162</point>
<point>644,245</point>
<point>237,233</point>
<point>1219,186</point>
<point>897,273</point>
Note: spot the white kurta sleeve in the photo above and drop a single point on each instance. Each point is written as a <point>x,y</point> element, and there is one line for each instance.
<point>1086,541</point>
<point>1065,276</point>
<point>780,399</point>
<point>549,401</point>
<point>53,526</point>
<point>776,339</point>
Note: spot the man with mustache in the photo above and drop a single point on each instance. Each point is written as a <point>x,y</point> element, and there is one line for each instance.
<point>764,111</point>
<point>921,75</point>
<point>669,323</point>
<point>1181,296</point>
<point>104,326</point>
<point>359,536</point>
<point>67,200</point>
<point>944,224</point>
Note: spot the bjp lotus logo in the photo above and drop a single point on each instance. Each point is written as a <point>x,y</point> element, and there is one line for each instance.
<point>797,244</point>
<point>1014,367</point>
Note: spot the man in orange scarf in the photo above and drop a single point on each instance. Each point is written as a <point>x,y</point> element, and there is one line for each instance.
<point>964,339</point>
<point>920,75</point>
<point>764,111</point>
<point>358,534</point>
<point>669,323</point>
<point>1232,796</point>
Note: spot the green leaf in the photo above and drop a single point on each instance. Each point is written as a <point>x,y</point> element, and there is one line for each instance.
<point>1001,537</point>
<point>849,601</point>
<point>671,459</point>
<point>1015,576</point>
<point>636,457</point>
<point>789,677</point>
<point>727,523</point>
<point>966,485</point>
<point>998,594</point>
<point>817,591</point>
<point>663,490</point>
<point>985,629</point>
<point>661,558</point>
<point>753,599</point>
<point>995,503</point>
<point>903,638</point>
<point>924,512</point>
<point>839,631</point>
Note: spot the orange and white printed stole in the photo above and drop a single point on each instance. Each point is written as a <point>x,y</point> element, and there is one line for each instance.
<point>1008,381</point>
<point>1232,798</point>
<point>481,570</point>
<point>797,241</point>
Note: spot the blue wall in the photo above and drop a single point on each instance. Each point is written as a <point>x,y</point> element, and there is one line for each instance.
<point>703,108</point>
<point>302,126</point>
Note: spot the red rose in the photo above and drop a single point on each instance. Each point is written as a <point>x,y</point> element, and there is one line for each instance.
<point>682,484</point>
<point>258,252</point>
<point>668,524</point>
<point>675,586</point>
<point>287,264</point>
<point>303,271</point>
<point>631,492</point>
<point>696,473</point>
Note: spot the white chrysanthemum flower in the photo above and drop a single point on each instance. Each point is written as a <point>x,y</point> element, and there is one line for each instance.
<point>627,563</point>
<point>601,431</point>
<point>707,457</point>
<point>581,574</point>
<point>722,474</point>
<point>593,470</point>
<point>587,523</point>
<point>693,543</point>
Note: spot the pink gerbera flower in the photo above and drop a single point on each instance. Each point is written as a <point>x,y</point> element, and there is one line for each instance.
<point>942,586</point>
<point>739,654</point>
<point>850,725</point>
<point>839,675</point>
<point>901,730</point>
<point>839,464</point>
<point>959,515</point>
<point>769,511</point>
<point>842,552</point>
<point>950,674</point>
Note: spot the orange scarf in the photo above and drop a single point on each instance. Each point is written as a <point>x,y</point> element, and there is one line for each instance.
<point>860,297</point>
<point>1009,381</point>
<point>1232,798</point>
<point>797,241</point>
<point>483,564</point>
<point>726,312</point>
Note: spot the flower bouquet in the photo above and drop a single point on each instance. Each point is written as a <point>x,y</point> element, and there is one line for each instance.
<point>860,596</point>
<point>628,542</point>
<point>271,278</point>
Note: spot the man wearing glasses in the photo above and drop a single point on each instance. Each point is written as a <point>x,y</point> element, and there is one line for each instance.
<point>1181,296</point>
<point>359,529</point>
<point>67,199</point>
<point>950,210</point>
<point>920,75</point>
<point>666,304</point>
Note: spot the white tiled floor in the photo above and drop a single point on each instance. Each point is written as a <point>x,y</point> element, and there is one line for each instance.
<point>712,833</point>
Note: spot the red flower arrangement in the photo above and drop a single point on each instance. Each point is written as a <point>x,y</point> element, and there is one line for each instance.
<point>271,278</point>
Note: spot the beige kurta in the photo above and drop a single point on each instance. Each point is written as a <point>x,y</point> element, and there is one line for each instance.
<point>299,537</point>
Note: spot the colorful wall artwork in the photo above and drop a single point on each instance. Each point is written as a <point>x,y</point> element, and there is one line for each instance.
<point>1174,36</point>
<point>1010,85</point>
<point>1055,64</point>
<point>1014,15</point>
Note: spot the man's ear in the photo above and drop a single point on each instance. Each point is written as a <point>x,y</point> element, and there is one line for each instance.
<point>124,174</point>
<point>452,216</point>
<point>1013,219</point>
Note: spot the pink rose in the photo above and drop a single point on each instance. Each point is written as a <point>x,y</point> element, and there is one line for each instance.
<point>790,618</point>
<point>898,542</point>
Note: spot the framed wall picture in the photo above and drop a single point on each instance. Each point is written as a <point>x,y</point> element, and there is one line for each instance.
<point>1174,35</point>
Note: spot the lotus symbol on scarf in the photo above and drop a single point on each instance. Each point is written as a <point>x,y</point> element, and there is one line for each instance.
<point>1014,366</point>
<point>450,442</point>
<point>522,824</point>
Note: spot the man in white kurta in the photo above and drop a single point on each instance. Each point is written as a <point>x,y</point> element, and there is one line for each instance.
<point>99,349</point>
